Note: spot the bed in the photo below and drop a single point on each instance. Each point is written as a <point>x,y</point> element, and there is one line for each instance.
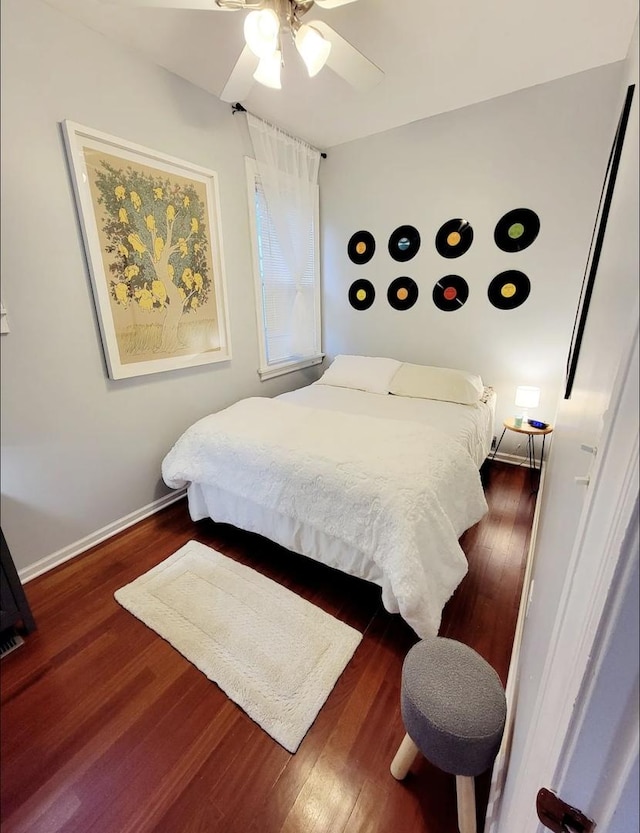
<point>371,470</point>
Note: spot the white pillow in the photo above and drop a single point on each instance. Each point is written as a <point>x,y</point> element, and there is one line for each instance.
<point>360,372</point>
<point>443,383</point>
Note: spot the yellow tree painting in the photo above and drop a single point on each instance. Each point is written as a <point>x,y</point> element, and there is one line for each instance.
<point>158,275</point>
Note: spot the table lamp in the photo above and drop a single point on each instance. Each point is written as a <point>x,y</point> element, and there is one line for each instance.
<point>526,397</point>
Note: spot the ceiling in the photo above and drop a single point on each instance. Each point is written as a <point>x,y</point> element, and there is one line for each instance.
<point>436,56</point>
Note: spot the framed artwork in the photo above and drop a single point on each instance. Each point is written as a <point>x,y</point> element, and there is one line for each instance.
<point>151,230</point>
<point>597,240</point>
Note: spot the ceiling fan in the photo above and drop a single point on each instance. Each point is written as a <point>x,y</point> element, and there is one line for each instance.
<point>265,26</point>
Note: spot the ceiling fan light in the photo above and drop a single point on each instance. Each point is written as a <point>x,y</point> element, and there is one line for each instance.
<point>268,72</point>
<point>261,30</point>
<point>313,48</point>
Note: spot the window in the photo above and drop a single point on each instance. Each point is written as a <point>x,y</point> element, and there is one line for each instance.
<point>288,311</point>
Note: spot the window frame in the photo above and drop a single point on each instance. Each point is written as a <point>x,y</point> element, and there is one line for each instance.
<point>265,370</point>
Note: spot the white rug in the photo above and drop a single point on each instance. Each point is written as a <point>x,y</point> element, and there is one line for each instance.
<point>273,653</point>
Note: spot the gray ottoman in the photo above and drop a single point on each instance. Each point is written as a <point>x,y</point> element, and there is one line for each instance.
<point>454,710</point>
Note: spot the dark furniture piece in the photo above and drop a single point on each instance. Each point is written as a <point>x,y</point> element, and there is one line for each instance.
<point>14,607</point>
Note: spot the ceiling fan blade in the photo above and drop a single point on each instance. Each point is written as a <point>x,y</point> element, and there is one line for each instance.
<point>345,60</point>
<point>240,81</point>
<point>332,4</point>
<point>207,5</point>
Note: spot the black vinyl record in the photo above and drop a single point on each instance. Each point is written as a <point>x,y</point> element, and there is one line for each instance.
<point>404,243</point>
<point>509,290</point>
<point>516,230</point>
<point>361,247</point>
<point>402,293</point>
<point>454,238</point>
<point>450,293</point>
<point>361,294</point>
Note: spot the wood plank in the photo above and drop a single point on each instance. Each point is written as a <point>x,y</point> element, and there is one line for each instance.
<point>105,727</point>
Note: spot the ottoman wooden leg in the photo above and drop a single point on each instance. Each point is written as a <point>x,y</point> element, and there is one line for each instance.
<point>466,794</point>
<point>405,756</point>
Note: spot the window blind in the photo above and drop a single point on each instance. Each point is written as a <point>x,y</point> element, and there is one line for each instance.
<point>278,289</point>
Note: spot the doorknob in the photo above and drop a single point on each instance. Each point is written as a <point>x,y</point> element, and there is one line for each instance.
<point>559,816</point>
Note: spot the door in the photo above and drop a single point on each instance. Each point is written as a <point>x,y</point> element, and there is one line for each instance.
<point>598,767</point>
<point>582,740</point>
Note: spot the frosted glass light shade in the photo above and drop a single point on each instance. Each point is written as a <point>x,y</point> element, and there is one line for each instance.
<point>527,397</point>
<point>261,30</point>
<point>313,48</point>
<point>268,72</point>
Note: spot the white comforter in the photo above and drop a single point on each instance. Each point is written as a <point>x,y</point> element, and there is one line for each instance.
<point>400,491</point>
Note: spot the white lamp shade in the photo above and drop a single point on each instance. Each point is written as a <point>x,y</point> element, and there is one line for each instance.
<point>261,30</point>
<point>268,72</point>
<point>313,48</point>
<point>527,397</point>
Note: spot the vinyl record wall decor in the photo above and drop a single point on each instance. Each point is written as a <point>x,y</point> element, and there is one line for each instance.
<point>509,289</point>
<point>450,293</point>
<point>361,294</point>
<point>361,247</point>
<point>402,293</point>
<point>515,231</point>
<point>454,238</point>
<point>404,243</point>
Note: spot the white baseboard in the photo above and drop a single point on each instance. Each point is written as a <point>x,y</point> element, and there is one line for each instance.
<point>512,459</point>
<point>67,553</point>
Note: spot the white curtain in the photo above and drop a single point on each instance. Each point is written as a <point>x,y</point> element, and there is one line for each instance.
<point>288,171</point>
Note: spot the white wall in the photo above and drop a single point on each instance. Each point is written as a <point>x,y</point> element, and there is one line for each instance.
<point>80,451</point>
<point>580,419</point>
<point>612,317</point>
<point>544,148</point>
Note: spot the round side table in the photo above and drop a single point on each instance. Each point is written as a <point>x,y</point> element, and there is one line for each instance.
<point>531,433</point>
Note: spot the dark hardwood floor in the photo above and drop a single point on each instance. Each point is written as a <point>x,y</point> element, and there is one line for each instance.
<point>107,729</point>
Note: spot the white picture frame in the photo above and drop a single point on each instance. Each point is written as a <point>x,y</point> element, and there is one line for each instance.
<point>151,230</point>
